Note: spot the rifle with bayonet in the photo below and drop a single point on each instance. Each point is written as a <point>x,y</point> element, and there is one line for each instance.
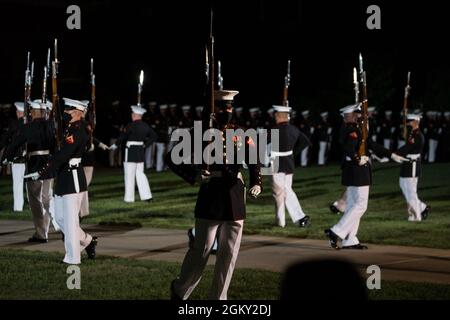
<point>364,120</point>
<point>219,75</point>
<point>92,111</point>
<point>27,89</point>
<point>405,106</point>
<point>55,113</point>
<point>287,82</point>
<point>140,84</point>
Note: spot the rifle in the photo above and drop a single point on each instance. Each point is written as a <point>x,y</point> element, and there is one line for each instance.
<point>210,82</point>
<point>141,82</point>
<point>92,113</point>
<point>55,113</point>
<point>219,75</point>
<point>405,106</point>
<point>27,89</point>
<point>287,82</point>
<point>356,85</point>
<point>364,122</point>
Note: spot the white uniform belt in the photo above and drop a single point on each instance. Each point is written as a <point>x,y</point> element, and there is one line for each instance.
<point>74,162</point>
<point>38,153</point>
<point>413,157</point>
<point>347,158</point>
<point>134,143</point>
<point>281,154</point>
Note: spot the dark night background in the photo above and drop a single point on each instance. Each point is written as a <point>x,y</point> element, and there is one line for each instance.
<point>254,39</point>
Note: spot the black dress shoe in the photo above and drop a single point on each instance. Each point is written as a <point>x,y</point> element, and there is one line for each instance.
<point>149,200</point>
<point>333,239</point>
<point>303,223</point>
<point>191,238</point>
<point>425,213</point>
<point>37,240</point>
<point>90,249</point>
<point>334,210</point>
<point>173,295</point>
<point>356,247</point>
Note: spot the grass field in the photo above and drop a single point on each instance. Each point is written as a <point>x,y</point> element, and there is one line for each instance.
<point>113,278</point>
<point>384,223</point>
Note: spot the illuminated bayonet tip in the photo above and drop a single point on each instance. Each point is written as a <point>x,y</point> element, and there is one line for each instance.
<point>141,78</point>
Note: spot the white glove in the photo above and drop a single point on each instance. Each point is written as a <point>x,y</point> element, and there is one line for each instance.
<point>363,160</point>
<point>32,176</point>
<point>91,148</point>
<point>398,158</point>
<point>255,191</point>
<point>113,147</point>
<point>103,146</point>
<point>204,176</point>
<point>5,162</point>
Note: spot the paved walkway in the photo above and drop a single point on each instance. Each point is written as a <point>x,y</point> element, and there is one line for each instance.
<point>268,253</point>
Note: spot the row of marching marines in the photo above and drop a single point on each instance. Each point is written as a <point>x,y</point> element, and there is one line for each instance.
<point>52,140</point>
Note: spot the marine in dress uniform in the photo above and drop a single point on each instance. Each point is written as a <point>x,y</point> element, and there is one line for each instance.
<point>324,134</point>
<point>150,150</point>
<point>386,129</point>
<point>340,204</point>
<point>137,136</point>
<point>432,132</point>
<point>291,143</point>
<point>87,161</point>
<point>162,130</point>
<point>39,138</point>
<point>357,178</point>
<point>70,182</point>
<point>411,169</point>
<point>17,160</point>
<point>308,131</point>
<point>220,204</point>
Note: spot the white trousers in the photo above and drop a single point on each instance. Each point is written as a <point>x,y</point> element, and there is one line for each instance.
<point>304,157</point>
<point>18,171</point>
<point>285,198</point>
<point>194,263</point>
<point>149,155</point>
<point>323,146</point>
<point>67,209</point>
<point>347,227</point>
<point>415,206</point>
<point>387,143</point>
<point>160,149</point>
<point>432,147</point>
<point>84,211</point>
<point>341,203</point>
<point>40,197</point>
<point>134,172</point>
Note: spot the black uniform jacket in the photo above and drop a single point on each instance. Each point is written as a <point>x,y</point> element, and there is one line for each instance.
<point>354,175</point>
<point>39,137</point>
<point>66,162</point>
<point>223,197</point>
<point>14,128</point>
<point>412,150</point>
<point>290,139</point>
<point>136,137</point>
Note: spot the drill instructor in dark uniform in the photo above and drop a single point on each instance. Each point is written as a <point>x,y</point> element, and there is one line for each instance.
<point>220,204</point>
